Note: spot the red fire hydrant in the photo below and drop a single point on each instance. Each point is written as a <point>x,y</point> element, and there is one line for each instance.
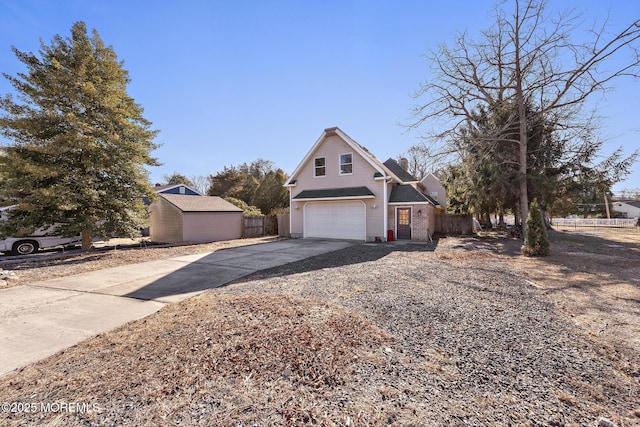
<point>389,235</point>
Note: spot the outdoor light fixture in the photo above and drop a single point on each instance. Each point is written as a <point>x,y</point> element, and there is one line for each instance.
<point>419,212</point>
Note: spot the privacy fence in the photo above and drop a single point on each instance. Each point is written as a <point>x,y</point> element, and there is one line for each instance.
<point>259,225</point>
<point>453,224</point>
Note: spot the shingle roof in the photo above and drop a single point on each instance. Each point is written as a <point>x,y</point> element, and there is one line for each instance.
<point>397,170</point>
<point>634,203</point>
<point>406,193</point>
<point>336,193</point>
<point>200,203</point>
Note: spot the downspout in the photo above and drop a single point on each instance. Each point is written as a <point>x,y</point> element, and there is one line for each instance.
<point>386,209</point>
<point>290,213</point>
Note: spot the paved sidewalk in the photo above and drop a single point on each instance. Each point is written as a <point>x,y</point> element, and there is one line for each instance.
<point>40,319</point>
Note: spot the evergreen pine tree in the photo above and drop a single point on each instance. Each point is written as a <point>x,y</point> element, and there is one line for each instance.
<point>79,142</point>
<point>537,241</point>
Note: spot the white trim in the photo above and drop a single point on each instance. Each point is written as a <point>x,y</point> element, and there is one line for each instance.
<point>409,203</point>
<point>316,167</point>
<point>290,213</point>
<point>340,164</point>
<point>354,145</point>
<point>328,199</point>
<point>385,214</point>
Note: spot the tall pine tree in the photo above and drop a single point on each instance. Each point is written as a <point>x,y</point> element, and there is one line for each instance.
<point>78,143</point>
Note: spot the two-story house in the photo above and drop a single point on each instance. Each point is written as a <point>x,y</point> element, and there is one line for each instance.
<point>342,191</point>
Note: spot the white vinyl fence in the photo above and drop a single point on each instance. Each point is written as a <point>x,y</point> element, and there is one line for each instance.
<point>593,223</point>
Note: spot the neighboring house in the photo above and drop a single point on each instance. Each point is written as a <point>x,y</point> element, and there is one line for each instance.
<point>169,189</point>
<point>341,191</point>
<point>176,189</point>
<point>179,218</point>
<point>629,208</point>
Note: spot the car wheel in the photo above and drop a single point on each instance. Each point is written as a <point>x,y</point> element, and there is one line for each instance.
<point>24,247</point>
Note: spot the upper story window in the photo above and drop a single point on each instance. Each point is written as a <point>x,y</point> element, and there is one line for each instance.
<point>319,166</point>
<point>346,164</point>
<point>434,195</point>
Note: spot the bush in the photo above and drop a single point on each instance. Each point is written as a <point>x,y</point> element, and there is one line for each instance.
<point>246,209</point>
<point>537,241</point>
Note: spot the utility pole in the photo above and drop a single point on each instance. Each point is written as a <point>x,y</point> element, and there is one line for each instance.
<point>606,206</point>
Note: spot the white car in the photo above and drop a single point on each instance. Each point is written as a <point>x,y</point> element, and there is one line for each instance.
<point>38,240</point>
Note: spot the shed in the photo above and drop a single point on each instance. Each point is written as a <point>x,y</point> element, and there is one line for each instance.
<point>179,218</point>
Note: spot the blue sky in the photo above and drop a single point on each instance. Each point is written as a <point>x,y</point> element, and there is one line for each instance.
<point>228,82</point>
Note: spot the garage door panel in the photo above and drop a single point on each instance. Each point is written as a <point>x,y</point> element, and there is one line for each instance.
<point>335,220</point>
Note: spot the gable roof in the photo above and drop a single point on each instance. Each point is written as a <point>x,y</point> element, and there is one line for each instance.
<point>634,203</point>
<point>361,150</point>
<point>398,171</point>
<point>167,188</point>
<point>188,203</point>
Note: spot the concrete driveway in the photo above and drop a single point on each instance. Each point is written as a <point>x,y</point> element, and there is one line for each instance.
<point>40,319</point>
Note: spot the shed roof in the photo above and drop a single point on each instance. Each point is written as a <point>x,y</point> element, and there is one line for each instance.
<point>188,203</point>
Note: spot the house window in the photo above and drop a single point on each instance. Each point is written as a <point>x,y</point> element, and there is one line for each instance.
<point>319,164</point>
<point>346,164</point>
<point>434,195</point>
<point>182,190</point>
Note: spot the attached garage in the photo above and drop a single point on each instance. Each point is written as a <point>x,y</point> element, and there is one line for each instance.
<point>335,220</point>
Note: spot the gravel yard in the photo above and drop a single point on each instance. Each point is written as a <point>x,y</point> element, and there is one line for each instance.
<point>374,334</point>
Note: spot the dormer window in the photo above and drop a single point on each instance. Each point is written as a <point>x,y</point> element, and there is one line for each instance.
<point>346,164</point>
<point>319,167</point>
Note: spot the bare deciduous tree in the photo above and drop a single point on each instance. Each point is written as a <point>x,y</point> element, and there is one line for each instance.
<point>529,57</point>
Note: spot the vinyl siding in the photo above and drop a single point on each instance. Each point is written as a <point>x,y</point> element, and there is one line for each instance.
<point>166,222</point>
<point>202,227</point>
<point>362,175</point>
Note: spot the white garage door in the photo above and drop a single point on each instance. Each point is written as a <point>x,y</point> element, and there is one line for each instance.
<point>335,220</point>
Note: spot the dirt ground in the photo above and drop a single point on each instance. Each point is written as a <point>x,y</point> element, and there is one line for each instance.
<point>463,332</point>
<point>593,277</point>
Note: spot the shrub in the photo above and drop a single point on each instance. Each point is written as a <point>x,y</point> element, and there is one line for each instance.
<point>246,209</point>
<point>537,240</point>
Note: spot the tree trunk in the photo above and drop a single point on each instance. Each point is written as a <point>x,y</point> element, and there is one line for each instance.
<point>522,168</point>
<point>86,240</point>
<point>522,118</point>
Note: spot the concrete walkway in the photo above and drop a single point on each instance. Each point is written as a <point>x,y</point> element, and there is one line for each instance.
<point>40,319</point>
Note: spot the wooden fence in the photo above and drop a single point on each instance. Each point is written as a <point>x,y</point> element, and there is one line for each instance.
<point>284,225</point>
<point>259,225</point>
<point>453,224</point>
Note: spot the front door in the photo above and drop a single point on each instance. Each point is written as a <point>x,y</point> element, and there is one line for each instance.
<point>403,219</point>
